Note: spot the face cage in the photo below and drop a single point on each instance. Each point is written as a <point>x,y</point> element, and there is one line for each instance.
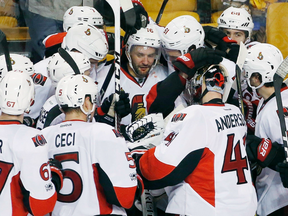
<point>193,90</point>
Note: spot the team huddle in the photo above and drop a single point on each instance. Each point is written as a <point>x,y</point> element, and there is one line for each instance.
<point>188,129</point>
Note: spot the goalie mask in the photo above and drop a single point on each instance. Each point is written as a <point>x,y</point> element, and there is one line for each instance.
<point>72,90</point>
<point>16,93</point>
<point>18,62</point>
<point>262,59</point>
<point>77,14</point>
<point>214,79</point>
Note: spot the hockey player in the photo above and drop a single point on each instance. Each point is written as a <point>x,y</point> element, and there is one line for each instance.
<point>58,68</point>
<point>203,167</point>
<point>83,38</point>
<point>99,172</point>
<point>139,72</point>
<point>72,16</point>
<point>260,66</point>
<point>25,173</point>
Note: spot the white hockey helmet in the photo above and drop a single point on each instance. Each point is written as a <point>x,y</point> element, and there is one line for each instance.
<point>58,67</point>
<point>86,39</point>
<point>182,33</point>
<point>147,37</point>
<point>16,93</point>
<point>236,18</point>
<point>19,62</point>
<point>77,14</point>
<point>264,59</point>
<point>72,90</point>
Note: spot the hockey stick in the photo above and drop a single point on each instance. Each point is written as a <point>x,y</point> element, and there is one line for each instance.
<point>159,16</point>
<point>66,56</point>
<point>4,43</point>
<point>115,5</point>
<point>239,65</point>
<point>278,78</point>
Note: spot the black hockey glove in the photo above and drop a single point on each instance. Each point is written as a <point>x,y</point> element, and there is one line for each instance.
<point>106,112</point>
<point>141,18</point>
<point>282,168</point>
<point>57,173</point>
<point>197,59</point>
<point>264,152</point>
<point>27,120</point>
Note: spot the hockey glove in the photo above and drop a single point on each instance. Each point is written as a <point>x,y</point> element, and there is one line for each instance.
<point>282,168</point>
<point>141,18</point>
<point>57,173</point>
<point>110,105</point>
<point>264,152</point>
<point>197,59</point>
<point>27,120</point>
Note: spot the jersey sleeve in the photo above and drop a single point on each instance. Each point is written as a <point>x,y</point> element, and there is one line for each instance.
<point>162,95</point>
<point>35,174</point>
<point>178,154</point>
<point>115,168</point>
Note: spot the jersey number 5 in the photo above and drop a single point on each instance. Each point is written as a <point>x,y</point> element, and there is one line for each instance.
<point>237,164</point>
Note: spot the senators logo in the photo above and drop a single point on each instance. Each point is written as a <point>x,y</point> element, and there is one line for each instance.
<point>186,29</point>
<point>84,79</point>
<point>39,79</point>
<point>88,32</point>
<point>178,117</point>
<point>71,12</point>
<point>138,109</point>
<point>12,61</point>
<point>260,56</point>
<point>39,140</point>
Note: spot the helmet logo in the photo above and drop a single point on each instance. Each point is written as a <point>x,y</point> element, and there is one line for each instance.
<point>186,29</point>
<point>260,56</point>
<point>84,79</point>
<point>235,13</point>
<point>88,32</point>
<point>71,11</point>
<point>12,61</point>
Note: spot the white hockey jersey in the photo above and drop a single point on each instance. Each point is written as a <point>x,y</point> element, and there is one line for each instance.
<point>270,191</point>
<point>99,169</point>
<point>24,161</point>
<point>137,92</point>
<point>202,161</point>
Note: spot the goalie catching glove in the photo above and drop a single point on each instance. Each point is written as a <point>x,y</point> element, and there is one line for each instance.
<point>264,152</point>
<point>145,133</point>
<point>112,104</point>
<point>191,62</point>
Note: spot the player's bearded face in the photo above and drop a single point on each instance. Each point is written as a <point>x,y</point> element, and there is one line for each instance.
<point>142,58</point>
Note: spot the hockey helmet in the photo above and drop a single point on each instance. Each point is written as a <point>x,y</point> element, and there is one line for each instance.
<point>19,62</point>
<point>264,59</point>
<point>16,92</point>
<point>86,39</point>
<point>77,14</point>
<point>58,67</point>
<point>236,18</point>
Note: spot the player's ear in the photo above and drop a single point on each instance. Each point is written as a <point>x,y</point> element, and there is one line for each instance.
<point>88,106</point>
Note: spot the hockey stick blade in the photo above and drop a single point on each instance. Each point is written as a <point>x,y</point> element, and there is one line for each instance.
<point>159,16</point>
<point>66,56</point>
<point>130,17</point>
<point>278,78</point>
<point>4,43</point>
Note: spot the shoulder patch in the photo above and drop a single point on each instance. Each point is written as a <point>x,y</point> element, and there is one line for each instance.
<point>285,112</point>
<point>39,79</point>
<point>39,140</point>
<point>178,117</point>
